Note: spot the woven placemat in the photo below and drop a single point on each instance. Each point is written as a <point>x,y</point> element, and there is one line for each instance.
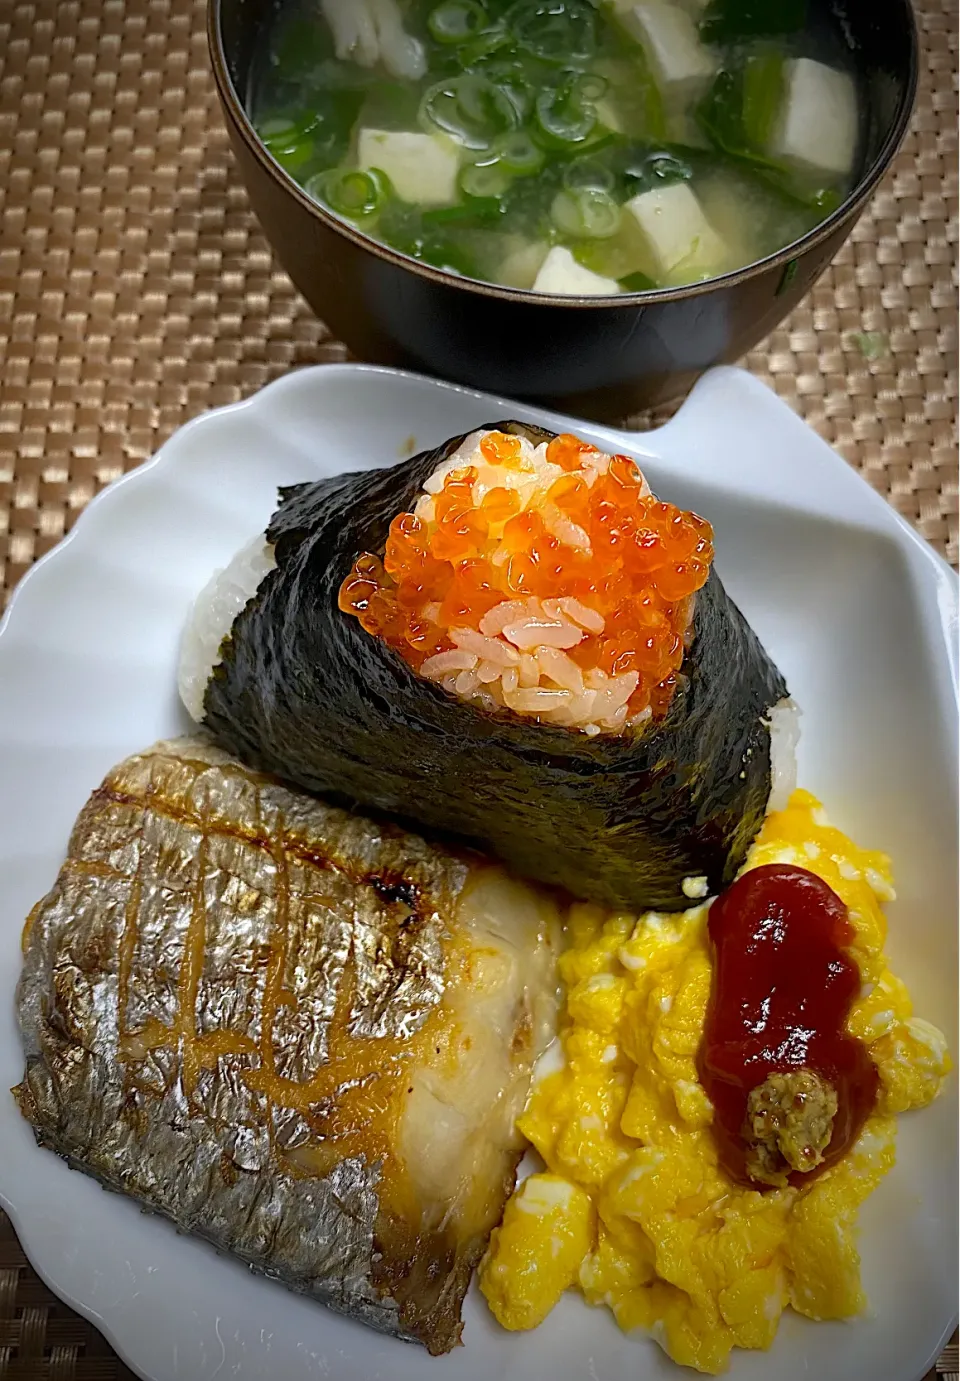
<point>136,290</point>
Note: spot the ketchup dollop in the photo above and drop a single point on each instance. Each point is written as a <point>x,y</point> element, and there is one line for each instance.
<point>783,986</point>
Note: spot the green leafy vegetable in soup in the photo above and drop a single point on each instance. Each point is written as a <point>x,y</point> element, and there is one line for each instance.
<point>565,146</point>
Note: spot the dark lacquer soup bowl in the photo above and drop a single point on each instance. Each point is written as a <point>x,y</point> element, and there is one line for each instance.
<point>600,357</point>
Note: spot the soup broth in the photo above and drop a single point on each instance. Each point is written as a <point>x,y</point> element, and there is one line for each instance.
<point>564,146</point>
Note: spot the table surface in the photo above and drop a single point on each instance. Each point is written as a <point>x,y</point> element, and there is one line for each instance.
<point>137,290</point>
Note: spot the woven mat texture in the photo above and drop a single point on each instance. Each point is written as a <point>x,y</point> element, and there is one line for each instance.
<point>136,290</point>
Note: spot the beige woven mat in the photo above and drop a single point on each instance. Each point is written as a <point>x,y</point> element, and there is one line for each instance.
<point>136,290</point>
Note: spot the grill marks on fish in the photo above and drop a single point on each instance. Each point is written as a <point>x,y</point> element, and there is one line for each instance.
<point>380,979</point>
<point>226,998</point>
<point>397,965</point>
<point>319,936</point>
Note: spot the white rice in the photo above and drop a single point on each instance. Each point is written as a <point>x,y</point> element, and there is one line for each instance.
<point>521,660</point>
<point>217,605</point>
<point>784,737</point>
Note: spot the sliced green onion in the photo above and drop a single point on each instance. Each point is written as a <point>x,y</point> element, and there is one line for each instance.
<point>484,44</point>
<point>519,154</point>
<point>588,174</point>
<point>588,213</point>
<point>643,171</point>
<point>667,167</point>
<point>456,21</point>
<point>352,192</point>
<point>591,86</point>
<point>513,78</point>
<point>290,144</point>
<point>562,120</point>
<point>470,109</point>
<point>484,180</point>
<point>558,31</point>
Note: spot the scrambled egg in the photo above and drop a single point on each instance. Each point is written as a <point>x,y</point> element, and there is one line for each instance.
<point>634,1209</point>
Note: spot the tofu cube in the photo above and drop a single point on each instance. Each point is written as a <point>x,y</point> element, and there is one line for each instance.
<point>682,65</point>
<point>818,126</point>
<point>676,230</point>
<point>560,273</point>
<point>422,167</point>
<point>520,267</point>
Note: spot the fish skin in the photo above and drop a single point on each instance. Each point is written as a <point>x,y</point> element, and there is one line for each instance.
<point>182,837</point>
<point>302,690</point>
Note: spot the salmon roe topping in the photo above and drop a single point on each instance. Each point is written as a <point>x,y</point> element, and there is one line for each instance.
<point>594,565</point>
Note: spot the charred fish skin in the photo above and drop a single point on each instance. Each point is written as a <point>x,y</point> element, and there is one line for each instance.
<point>225,999</point>
<point>304,692</point>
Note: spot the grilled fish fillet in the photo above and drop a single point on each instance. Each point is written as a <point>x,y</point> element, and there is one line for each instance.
<point>296,1033</point>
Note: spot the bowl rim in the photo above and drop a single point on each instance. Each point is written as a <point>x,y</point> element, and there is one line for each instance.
<point>848,210</point>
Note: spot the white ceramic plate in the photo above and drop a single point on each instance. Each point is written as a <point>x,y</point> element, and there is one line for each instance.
<point>858,612</point>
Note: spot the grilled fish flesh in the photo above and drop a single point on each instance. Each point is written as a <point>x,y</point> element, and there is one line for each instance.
<point>300,1035</point>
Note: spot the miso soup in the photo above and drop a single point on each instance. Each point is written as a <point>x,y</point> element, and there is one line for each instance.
<point>564,146</point>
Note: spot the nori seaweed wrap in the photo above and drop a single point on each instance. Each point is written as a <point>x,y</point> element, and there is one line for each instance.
<point>302,690</point>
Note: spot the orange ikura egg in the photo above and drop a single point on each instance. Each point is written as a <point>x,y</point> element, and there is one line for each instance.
<point>566,451</point>
<point>500,505</point>
<point>611,572</point>
<point>499,449</point>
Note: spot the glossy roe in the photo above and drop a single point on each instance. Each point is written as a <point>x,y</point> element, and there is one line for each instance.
<point>639,567</point>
